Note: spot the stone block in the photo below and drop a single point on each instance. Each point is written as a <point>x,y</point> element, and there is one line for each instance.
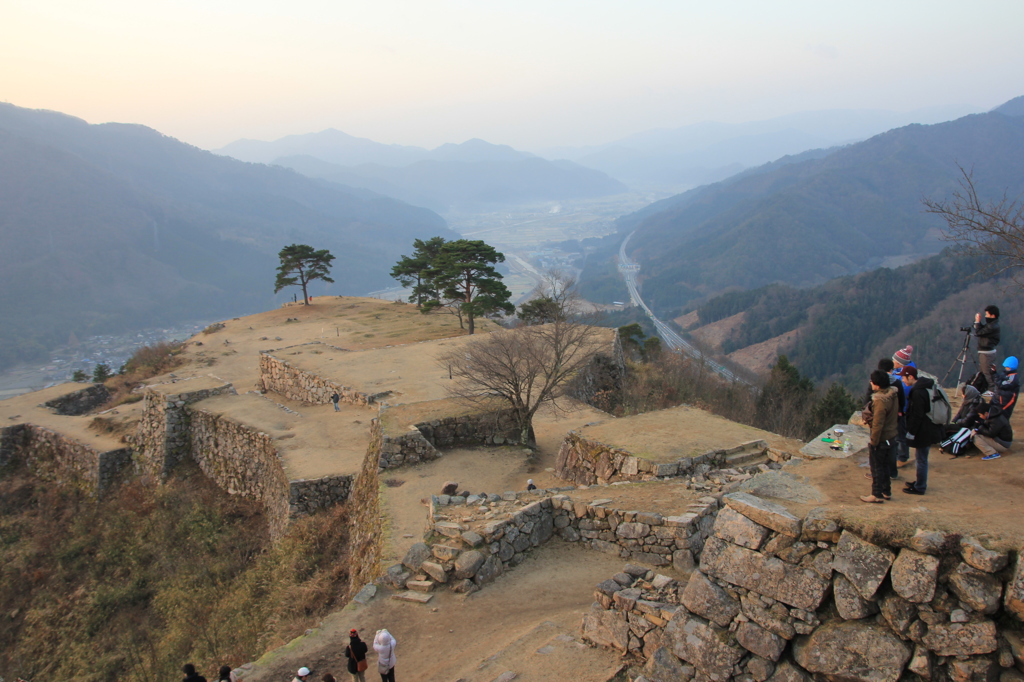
<point>606,628</point>
<point>664,666</point>
<point>921,663</point>
<point>819,527</point>
<point>464,586</point>
<point>488,571</point>
<point>897,611</point>
<point>865,564</point>
<point>787,672</point>
<point>757,640</point>
<point>849,603</point>
<point>711,650</point>
<point>768,514</point>
<point>760,668</point>
<point>736,528</point>
<point>770,576</point>
<point>625,600</point>
<point>473,539</point>
<point>682,560</point>
<point>650,518</point>
<point>961,639</point>
<point>445,552</point>
<point>929,542</point>
<point>448,529</point>
<point>416,555</point>
<point>708,600</point>
<point>632,530</point>
<point>977,556</point>
<point>1013,599</point>
<point>420,585</point>
<point>914,576</point>
<point>980,590</point>
<point>435,571</point>
<point>776,623</point>
<point>467,563</point>
<point>856,650</point>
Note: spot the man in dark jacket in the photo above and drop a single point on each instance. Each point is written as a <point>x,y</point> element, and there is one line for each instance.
<point>190,674</point>
<point>994,436</point>
<point>883,436</point>
<point>988,338</point>
<point>922,432</point>
<point>1007,387</point>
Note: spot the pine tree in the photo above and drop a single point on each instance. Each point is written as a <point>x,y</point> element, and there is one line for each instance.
<point>300,265</point>
<point>463,276</point>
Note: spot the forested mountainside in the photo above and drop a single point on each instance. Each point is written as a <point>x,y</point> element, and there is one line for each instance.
<point>840,329</point>
<point>110,227</point>
<point>808,221</point>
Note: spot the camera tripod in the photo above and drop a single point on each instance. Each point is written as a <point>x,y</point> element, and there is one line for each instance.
<point>965,353</point>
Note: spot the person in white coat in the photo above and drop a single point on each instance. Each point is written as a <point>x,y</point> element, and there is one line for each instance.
<point>384,644</point>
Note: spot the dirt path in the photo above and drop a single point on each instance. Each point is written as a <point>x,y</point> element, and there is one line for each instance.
<point>527,621</point>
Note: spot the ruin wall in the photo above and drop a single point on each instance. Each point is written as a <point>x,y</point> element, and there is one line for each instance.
<point>54,457</point>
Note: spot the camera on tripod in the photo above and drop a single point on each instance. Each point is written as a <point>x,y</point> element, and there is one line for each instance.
<point>966,329</point>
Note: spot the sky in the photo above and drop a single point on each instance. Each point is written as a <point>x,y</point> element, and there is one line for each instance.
<point>532,74</point>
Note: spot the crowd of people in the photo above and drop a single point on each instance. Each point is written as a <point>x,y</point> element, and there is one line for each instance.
<point>356,660</point>
<point>907,408</point>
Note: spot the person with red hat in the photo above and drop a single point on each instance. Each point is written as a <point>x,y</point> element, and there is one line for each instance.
<point>355,652</point>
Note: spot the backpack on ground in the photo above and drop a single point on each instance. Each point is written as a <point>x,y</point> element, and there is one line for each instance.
<point>958,442</point>
<point>940,411</point>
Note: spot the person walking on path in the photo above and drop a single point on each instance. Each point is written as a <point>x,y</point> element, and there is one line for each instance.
<point>922,432</point>
<point>994,436</point>
<point>335,398</point>
<point>355,652</point>
<point>190,674</point>
<point>883,435</point>
<point>988,338</point>
<point>384,644</point>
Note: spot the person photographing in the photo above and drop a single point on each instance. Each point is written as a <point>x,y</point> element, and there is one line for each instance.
<point>987,332</point>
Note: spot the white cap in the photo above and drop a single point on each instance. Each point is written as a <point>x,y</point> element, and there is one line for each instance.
<point>303,671</point>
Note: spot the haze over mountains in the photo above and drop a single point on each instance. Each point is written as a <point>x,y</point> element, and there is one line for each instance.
<point>470,174</point>
<point>710,151</point>
<point>113,226</point>
<point>806,219</point>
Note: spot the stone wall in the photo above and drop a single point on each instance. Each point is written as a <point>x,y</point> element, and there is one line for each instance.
<point>162,438</point>
<point>421,443</point>
<point>778,598</point>
<point>241,461</point>
<point>470,541</point>
<point>366,521</point>
<point>80,402</point>
<point>53,457</point>
<point>281,377</point>
<point>586,462</point>
<point>308,496</point>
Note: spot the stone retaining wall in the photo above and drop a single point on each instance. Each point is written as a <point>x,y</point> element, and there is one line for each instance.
<point>79,402</point>
<point>420,443</point>
<point>366,521</point>
<point>281,377</point>
<point>241,461</point>
<point>54,457</point>
<point>162,438</point>
<point>308,496</point>
<point>586,462</point>
<point>778,598</point>
<point>470,541</point>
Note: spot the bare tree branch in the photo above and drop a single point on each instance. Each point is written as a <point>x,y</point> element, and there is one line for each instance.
<point>995,229</point>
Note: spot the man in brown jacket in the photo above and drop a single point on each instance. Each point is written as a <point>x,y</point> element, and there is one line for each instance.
<point>884,417</point>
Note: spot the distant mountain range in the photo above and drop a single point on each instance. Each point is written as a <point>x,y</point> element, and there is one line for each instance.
<point>806,219</point>
<point>707,152</point>
<point>472,174</point>
<point>113,226</point>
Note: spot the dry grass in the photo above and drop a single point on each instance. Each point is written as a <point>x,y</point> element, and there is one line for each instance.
<point>133,586</point>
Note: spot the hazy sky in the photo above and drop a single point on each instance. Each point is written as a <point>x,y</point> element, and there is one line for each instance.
<point>530,74</point>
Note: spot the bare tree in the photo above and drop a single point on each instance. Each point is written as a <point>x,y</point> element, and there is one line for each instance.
<point>992,228</point>
<point>523,368</point>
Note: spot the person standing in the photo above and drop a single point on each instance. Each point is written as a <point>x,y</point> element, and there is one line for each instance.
<point>335,398</point>
<point>988,338</point>
<point>901,359</point>
<point>922,432</point>
<point>883,433</point>
<point>384,644</point>
<point>190,674</point>
<point>355,652</point>
<point>301,675</point>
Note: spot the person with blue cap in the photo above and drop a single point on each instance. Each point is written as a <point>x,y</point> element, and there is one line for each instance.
<point>1007,387</point>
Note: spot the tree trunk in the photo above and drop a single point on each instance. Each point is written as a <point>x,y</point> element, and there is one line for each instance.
<point>305,296</point>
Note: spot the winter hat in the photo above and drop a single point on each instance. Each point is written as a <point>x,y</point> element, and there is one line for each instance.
<point>902,356</point>
<point>1010,363</point>
<point>303,671</point>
